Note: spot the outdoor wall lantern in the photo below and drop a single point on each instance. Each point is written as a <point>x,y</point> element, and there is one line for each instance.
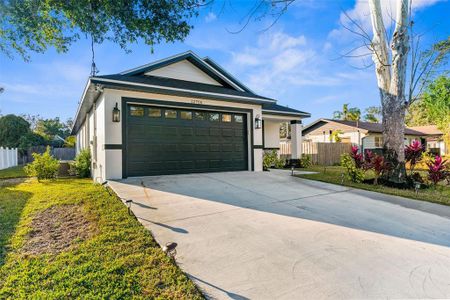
<point>116,114</point>
<point>258,122</point>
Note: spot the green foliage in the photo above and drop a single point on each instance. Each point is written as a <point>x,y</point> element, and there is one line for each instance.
<point>436,100</point>
<point>120,261</point>
<point>44,166</point>
<point>12,129</point>
<point>70,141</point>
<point>353,173</point>
<point>417,114</point>
<point>271,160</point>
<point>30,25</point>
<point>334,136</point>
<point>347,113</point>
<point>50,129</point>
<point>82,165</point>
<point>373,114</point>
<point>305,161</point>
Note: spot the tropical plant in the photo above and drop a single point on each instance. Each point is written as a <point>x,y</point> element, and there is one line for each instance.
<point>437,170</point>
<point>82,165</point>
<point>347,113</point>
<point>44,166</point>
<point>271,160</point>
<point>413,154</point>
<point>379,166</point>
<point>357,157</point>
<point>334,136</point>
<point>305,161</point>
<point>353,173</point>
<point>372,114</point>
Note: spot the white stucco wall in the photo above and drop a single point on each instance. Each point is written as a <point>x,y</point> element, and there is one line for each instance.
<point>112,165</point>
<point>184,70</point>
<point>271,134</point>
<point>355,137</point>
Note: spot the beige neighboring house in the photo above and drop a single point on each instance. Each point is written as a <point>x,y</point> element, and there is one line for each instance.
<point>434,138</point>
<point>365,135</point>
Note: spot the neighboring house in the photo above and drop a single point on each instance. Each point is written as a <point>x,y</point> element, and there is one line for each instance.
<point>366,135</point>
<point>183,114</point>
<point>434,138</point>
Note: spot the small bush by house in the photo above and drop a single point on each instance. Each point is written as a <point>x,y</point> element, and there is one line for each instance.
<point>44,166</point>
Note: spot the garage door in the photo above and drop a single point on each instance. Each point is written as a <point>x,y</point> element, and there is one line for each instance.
<point>175,141</point>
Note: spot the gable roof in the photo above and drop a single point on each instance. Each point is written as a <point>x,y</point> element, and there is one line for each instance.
<point>428,129</point>
<point>357,125</point>
<point>218,74</point>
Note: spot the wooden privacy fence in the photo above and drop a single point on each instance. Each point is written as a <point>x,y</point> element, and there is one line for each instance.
<point>8,158</point>
<point>58,153</point>
<point>326,154</point>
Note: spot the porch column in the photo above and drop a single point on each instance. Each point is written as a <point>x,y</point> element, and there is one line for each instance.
<point>296,139</point>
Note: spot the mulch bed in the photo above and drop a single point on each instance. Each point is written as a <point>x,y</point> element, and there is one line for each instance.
<point>56,229</point>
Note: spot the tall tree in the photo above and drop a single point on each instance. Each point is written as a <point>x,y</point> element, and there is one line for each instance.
<point>390,70</point>
<point>30,25</point>
<point>12,128</point>
<point>417,114</point>
<point>347,113</point>
<point>372,114</point>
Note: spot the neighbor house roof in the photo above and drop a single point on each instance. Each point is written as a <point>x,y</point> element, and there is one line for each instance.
<point>357,125</point>
<point>428,129</point>
<point>273,108</point>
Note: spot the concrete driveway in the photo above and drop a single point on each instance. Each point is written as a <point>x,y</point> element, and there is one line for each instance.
<point>244,235</point>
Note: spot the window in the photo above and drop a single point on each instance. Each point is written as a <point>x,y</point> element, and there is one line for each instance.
<point>213,117</point>
<point>238,119</point>
<point>136,111</point>
<point>186,115</point>
<point>154,112</point>
<point>170,114</point>
<point>199,116</point>
<point>378,142</point>
<point>226,118</point>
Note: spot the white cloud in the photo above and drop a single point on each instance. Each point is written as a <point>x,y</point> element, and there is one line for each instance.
<point>210,17</point>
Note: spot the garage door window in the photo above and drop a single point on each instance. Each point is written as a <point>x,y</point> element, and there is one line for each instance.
<point>170,114</point>
<point>226,118</point>
<point>186,115</point>
<point>238,118</point>
<point>136,111</point>
<point>154,112</point>
<point>199,116</point>
<point>213,117</point>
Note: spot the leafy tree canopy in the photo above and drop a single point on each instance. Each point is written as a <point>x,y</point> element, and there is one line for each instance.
<point>12,128</point>
<point>52,129</point>
<point>347,113</point>
<point>373,114</point>
<point>417,115</point>
<point>31,25</point>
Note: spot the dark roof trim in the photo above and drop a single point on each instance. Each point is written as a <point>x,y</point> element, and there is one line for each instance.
<point>178,91</point>
<point>192,58</point>
<point>216,66</point>
<point>283,113</point>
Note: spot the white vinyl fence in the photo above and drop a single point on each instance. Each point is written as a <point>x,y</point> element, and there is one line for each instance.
<point>8,158</point>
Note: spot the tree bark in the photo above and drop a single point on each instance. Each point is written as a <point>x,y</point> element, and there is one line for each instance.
<point>391,78</point>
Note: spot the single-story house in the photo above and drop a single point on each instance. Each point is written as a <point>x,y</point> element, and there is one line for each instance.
<point>434,138</point>
<point>182,114</point>
<point>366,135</point>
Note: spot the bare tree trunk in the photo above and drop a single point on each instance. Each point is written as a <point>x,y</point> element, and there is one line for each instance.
<point>391,78</point>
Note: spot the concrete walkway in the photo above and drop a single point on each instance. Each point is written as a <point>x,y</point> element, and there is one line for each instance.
<point>245,235</point>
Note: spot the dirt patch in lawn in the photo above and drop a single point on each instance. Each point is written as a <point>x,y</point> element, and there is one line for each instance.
<point>11,181</point>
<point>57,229</point>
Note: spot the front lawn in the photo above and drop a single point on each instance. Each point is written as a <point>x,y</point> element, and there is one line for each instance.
<point>332,174</point>
<point>69,238</point>
<point>14,172</point>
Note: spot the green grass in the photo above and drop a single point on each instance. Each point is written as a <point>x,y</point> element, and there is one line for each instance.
<point>120,261</point>
<point>14,172</point>
<point>332,174</point>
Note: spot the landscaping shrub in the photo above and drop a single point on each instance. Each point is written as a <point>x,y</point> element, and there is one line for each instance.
<point>270,159</point>
<point>305,161</point>
<point>44,166</point>
<point>82,165</point>
<point>354,173</point>
<point>437,170</point>
<point>413,154</point>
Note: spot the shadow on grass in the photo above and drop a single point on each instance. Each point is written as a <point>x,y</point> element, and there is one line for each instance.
<point>12,203</point>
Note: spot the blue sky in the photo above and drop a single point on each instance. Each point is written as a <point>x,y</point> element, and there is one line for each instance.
<point>297,61</point>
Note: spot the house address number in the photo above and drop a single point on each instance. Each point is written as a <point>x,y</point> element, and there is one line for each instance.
<point>195,101</point>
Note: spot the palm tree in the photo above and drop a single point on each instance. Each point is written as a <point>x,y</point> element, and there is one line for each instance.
<point>347,113</point>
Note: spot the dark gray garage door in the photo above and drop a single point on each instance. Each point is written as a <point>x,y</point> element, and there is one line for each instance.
<point>175,141</point>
